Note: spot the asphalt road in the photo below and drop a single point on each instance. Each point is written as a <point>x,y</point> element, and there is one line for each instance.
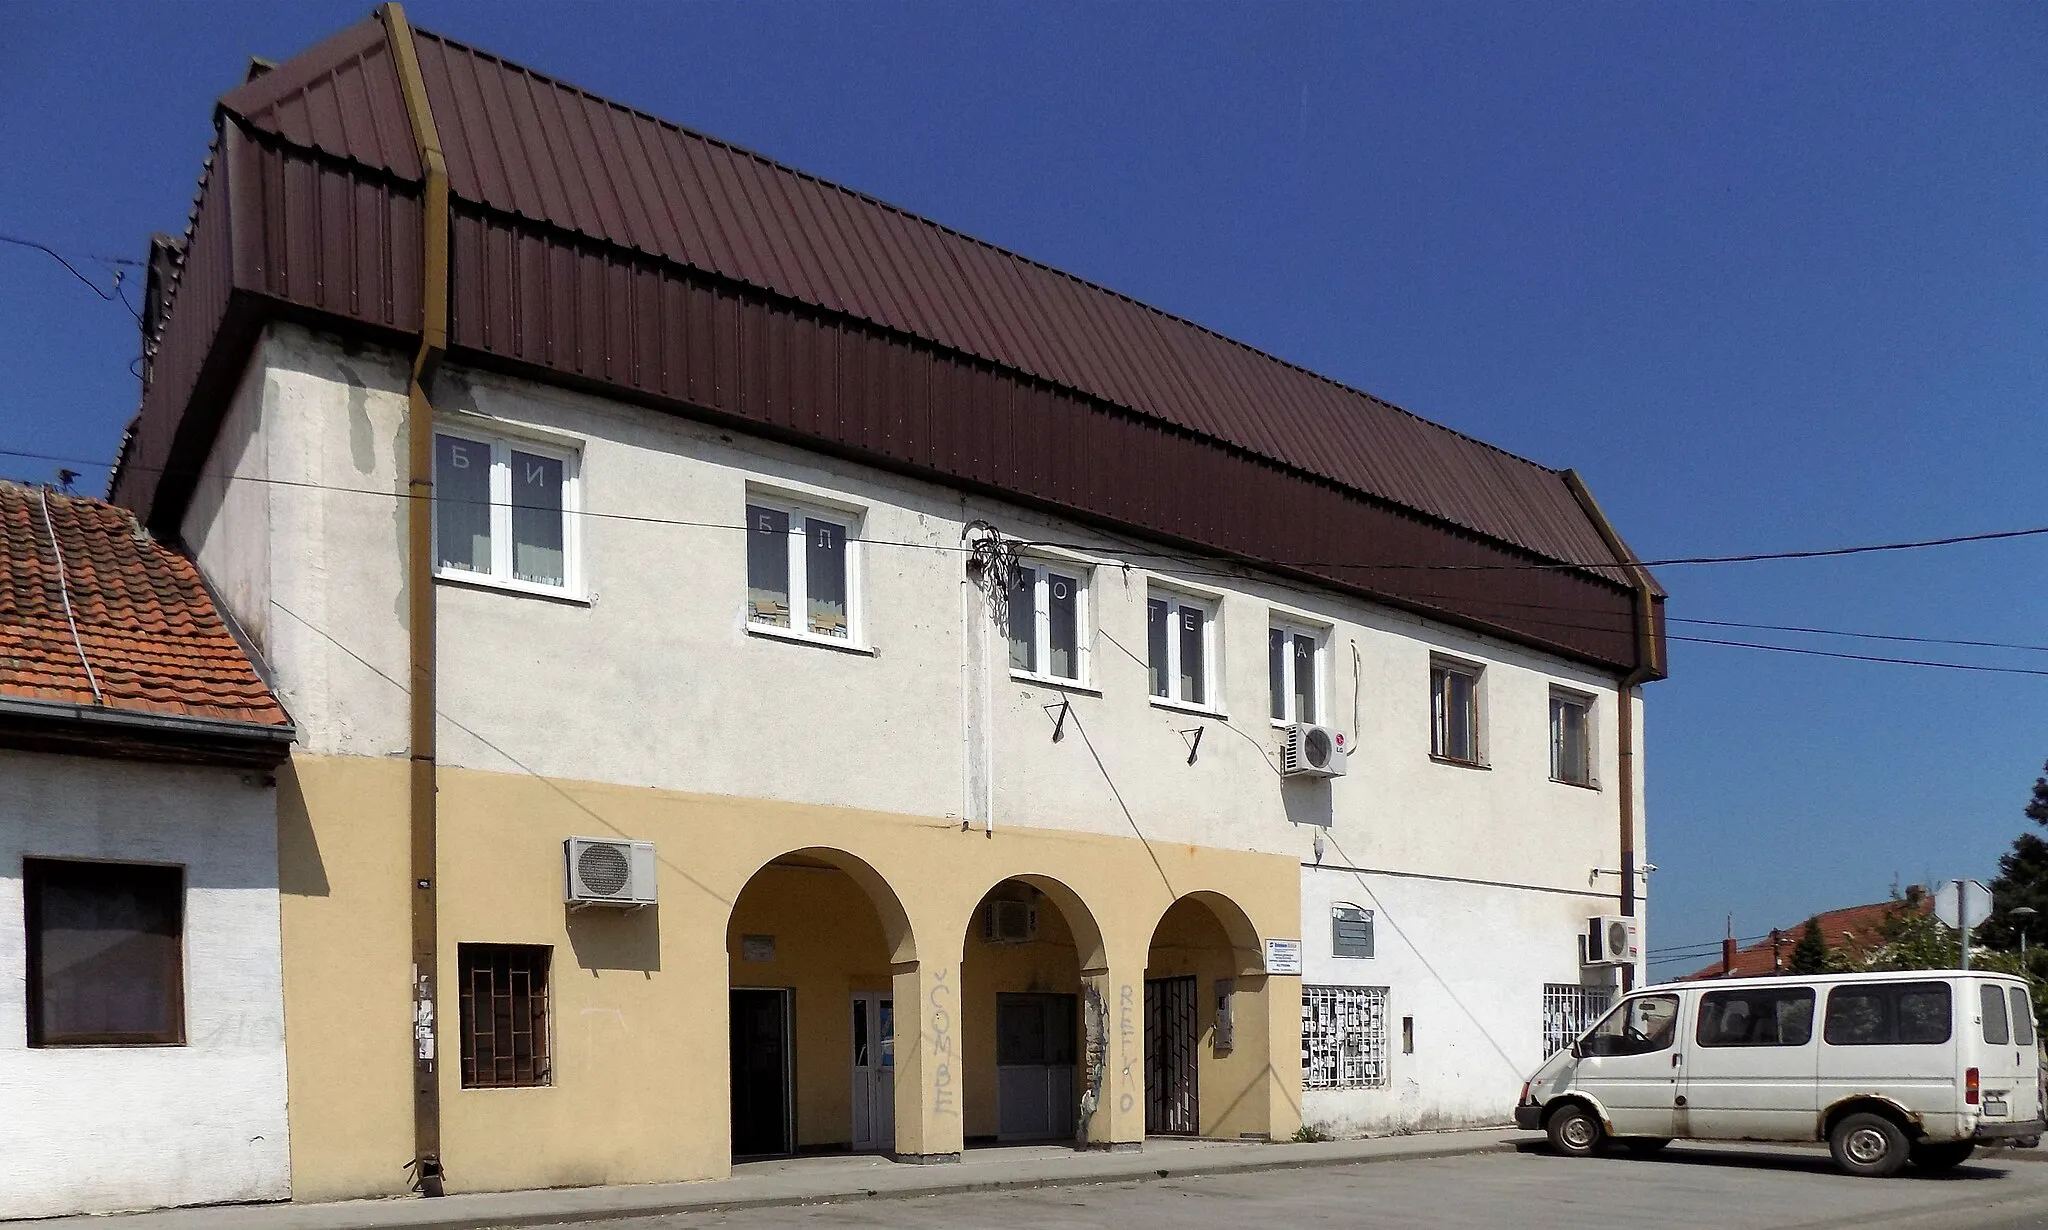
<point>1708,1187</point>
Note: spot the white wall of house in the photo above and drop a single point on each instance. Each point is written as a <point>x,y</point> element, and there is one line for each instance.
<point>649,674</point>
<point>101,1129</point>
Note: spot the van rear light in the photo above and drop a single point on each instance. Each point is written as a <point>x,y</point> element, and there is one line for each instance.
<point>1972,1084</point>
<point>1525,1094</point>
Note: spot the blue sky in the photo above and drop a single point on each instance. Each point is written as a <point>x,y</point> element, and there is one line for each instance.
<point>1771,277</point>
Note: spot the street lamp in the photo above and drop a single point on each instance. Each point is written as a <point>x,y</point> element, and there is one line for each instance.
<point>2020,914</point>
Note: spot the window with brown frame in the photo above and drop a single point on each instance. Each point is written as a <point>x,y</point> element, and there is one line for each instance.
<point>106,959</point>
<point>504,1015</point>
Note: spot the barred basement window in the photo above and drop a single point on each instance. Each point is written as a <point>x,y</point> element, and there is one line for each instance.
<point>504,1015</point>
<point>1343,1037</point>
<point>1568,1011</point>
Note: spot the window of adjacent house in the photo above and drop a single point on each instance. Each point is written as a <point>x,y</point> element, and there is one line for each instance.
<point>1350,931</point>
<point>1888,1014</point>
<point>1293,674</point>
<point>504,1015</point>
<point>1767,1016</point>
<point>1454,711</point>
<point>1568,1009</point>
<point>1343,1037</point>
<point>1048,608</point>
<point>1571,738</point>
<point>802,570</point>
<point>501,511</point>
<point>1181,637</point>
<point>106,960</point>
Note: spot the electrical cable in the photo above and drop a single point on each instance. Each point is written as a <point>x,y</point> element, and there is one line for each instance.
<point>113,296</point>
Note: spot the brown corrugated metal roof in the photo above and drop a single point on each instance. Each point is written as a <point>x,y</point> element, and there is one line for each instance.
<point>524,144</point>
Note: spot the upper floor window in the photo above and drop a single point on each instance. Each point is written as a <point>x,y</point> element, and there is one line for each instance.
<point>1454,711</point>
<point>1294,675</point>
<point>502,510</point>
<point>1571,741</point>
<point>105,953</point>
<point>1180,635</point>
<point>1048,607</point>
<point>802,573</point>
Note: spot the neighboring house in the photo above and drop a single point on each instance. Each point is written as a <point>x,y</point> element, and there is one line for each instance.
<point>141,1011</point>
<point>939,622</point>
<point>1855,931</point>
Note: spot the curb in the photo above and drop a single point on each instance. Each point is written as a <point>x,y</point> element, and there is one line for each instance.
<point>1138,1174</point>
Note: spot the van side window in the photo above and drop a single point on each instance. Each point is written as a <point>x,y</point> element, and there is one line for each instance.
<point>2022,1018</point>
<point>1992,996</point>
<point>1888,1014</point>
<point>1759,1016</point>
<point>1637,1026</point>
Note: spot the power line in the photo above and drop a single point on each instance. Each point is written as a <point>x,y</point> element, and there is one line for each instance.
<point>1570,625</point>
<point>112,296</point>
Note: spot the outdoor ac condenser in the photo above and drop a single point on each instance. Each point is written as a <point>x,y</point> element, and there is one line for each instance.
<point>1010,922</point>
<point>1613,939</point>
<point>607,871</point>
<point>1312,751</point>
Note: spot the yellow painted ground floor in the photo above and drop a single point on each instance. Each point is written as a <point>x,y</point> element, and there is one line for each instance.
<point>812,978</point>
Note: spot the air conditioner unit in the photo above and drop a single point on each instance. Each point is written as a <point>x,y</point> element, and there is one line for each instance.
<point>1313,751</point>
<point>605,871</point>
<point>1010,922</point>
<point>1613,939</point>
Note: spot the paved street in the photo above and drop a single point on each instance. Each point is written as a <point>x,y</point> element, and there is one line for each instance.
<point>1708,1187</point>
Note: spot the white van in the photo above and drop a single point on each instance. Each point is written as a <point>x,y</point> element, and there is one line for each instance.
<point>1886,1068</point>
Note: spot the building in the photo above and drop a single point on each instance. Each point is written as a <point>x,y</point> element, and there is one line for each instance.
<point>1853,932</point>
<point>923,629</point>
<point>141,1012</point>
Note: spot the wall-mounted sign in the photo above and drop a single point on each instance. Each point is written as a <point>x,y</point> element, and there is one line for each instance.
<point>1283,956</point>
<point>757,948</point>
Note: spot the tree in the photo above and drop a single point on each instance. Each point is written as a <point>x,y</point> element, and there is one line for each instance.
<point>2022,879</point>
<point>1810,954</point>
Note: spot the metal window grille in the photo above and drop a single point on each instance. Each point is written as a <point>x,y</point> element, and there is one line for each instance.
<point>504,1015</point>
<point>1343,1037</point>
<point>1568,1009</point>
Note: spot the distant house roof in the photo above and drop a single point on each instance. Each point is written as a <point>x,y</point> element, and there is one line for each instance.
<point>141,660</point>
<point>1856,928</point>
<point>602,246</point>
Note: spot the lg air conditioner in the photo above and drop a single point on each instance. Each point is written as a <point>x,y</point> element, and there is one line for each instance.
<point>1613,939</point>
<point>606,871</point>
<point>1313,751</point>
<point>1010,922</point>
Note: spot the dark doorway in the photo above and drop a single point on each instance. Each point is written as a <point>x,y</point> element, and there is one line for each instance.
<point>1170,1058</point>
<point>1035,1049</point>
<point>761,1116</point>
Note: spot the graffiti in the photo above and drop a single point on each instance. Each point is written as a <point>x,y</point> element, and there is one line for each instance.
<point>941,998</point>
<point>1127,1045</point>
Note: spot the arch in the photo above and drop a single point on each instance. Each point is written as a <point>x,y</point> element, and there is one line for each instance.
<point>1245,945</point>
<point>897,932</point>
<point>1089,946</point>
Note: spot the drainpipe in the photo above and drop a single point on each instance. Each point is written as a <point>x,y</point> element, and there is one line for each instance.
<point>1649,665</point>
<point>419,527</point>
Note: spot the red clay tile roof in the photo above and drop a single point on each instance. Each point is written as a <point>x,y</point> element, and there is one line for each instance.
<point>1858,928</point>
<point>147,625</point>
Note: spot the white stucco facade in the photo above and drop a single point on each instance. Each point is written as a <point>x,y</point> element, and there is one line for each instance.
<point>93,1129</point>
<point>649,675</point>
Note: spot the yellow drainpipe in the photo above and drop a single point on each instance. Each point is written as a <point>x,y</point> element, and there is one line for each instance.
<point>1649,665</point>
<point>419,526</point>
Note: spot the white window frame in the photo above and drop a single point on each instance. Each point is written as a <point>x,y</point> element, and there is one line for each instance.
<point>1588,704</point>
<point>1344,1037</point>
<point>1439,725</point>
<point>1041,611</point>
<point>1212,676</point>
<point>500,576</point>
<point>798,510</point>
<point>1321,700</point>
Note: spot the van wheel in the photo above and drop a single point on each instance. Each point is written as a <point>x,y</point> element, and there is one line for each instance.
<point>1645,1146</point>
<point>1870,1145</point>
<point>1949,1154</point>
<point>1574,1131</point>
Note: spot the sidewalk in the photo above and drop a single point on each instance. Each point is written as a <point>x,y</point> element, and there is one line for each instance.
<point>808,1180</point>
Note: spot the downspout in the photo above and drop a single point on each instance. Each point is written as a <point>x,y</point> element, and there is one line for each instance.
<point>1648,665</point>
<point>419,534</point>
